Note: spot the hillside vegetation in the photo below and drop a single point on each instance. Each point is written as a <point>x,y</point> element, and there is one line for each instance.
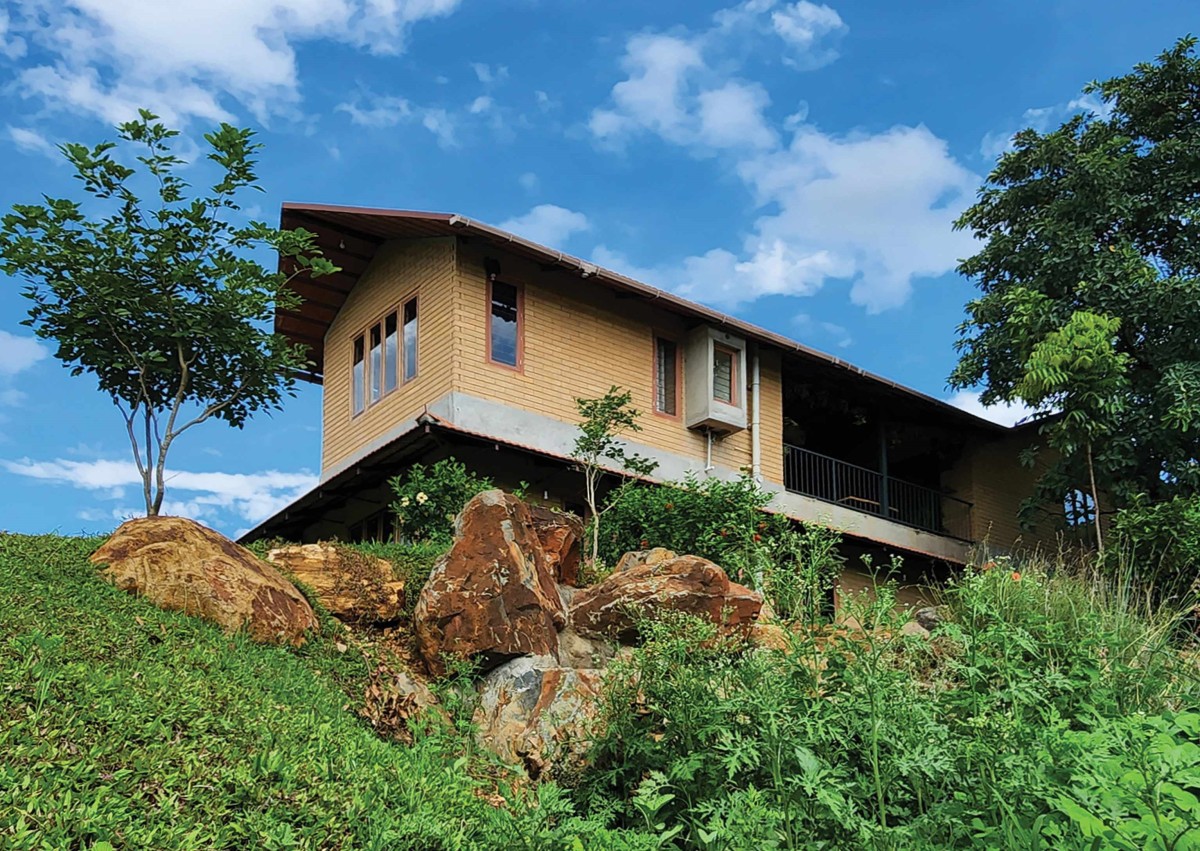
<point>1049,710</point>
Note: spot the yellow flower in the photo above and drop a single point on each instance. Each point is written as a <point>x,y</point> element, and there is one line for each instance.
<point>421,498</point>
<point>404,502</point>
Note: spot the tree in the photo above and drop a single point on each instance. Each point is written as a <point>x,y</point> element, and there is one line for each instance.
<point>1090,279</point>
<point>598,450</point>
<point>159,301</point>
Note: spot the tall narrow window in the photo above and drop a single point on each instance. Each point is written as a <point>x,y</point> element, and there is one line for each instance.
<point>375,373</point>
<point>410,339</point>
<point>391,353</point>
<point>665,378</point>
<point>505,319</point>
<point>357,378</point>
<point>1079,508</point>
<point>725,375</point>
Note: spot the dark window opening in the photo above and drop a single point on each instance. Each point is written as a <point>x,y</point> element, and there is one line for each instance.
<point>665,377</point>
<point>505,331</point>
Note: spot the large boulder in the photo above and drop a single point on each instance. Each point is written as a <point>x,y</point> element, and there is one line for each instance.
<point>537,714</point>
<point>355,587</point>
<point>560,534</point>
<point>178,564</point>
<point>687,584</point>
<point>651,557</point>
<point>491,596</point>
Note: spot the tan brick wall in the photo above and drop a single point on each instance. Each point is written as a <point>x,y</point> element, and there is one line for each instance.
<point>990,476</point>
<point>399,269</point>
<point>579,340</point>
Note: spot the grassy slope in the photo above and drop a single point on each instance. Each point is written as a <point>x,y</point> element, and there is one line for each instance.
<point>126,725</point>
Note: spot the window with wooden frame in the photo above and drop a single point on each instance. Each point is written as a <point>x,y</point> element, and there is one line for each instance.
<point>666,376</point>
<point>505,321</point>
<point>384,356</point>
<point>725,376</point>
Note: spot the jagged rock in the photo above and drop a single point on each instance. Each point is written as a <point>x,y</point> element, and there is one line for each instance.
<point>560,534</point>
<point>536,713</point>
<point>491,597</point>
<point>651,557</point>
<point>178,564</point>
<point>684,584</point>
<point>578,651</point>
<point>354,586</point>
<point>771,636</point>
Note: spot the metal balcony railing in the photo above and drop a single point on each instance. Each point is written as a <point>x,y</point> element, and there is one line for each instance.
<point>812,474</point>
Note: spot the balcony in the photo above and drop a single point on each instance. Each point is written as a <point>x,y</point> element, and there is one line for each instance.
<point>840,483</point>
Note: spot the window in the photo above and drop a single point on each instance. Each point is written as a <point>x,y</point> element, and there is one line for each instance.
<point>385,356</point>
<point>666,376</point>
<point>410,339</point>
<point>1079,508</point>
<point>358,376</point>
<point>376,369</point>
<point>390,353</point>
<point>725,375</point>
<point>504,328</point>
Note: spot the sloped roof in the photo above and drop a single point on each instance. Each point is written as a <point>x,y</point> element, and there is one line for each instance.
<point>349,237</point>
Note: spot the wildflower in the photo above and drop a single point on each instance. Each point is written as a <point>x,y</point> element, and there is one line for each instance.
<point>669,506</point>
<point>1016,576</point>
<point>404,502</point>
<point>645,543</point>
<point>421,498</point>
<point>757,537</point>
<point>988,566</point>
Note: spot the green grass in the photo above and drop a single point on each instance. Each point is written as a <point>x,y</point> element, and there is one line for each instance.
<point>124,726</point>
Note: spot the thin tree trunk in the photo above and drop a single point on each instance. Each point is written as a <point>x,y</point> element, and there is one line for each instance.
<point>1095,500</point>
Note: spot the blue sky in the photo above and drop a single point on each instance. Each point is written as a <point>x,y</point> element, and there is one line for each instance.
<point>794,163</point>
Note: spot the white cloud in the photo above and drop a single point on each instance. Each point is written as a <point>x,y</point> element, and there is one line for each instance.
<point>11,46</point>
<point>487,75</point>
<point>390,111</point>
<point>1005,414</point>
<point>809,326</point>
<point>184,58</point>
<point>1042,119</point>
<point>250,497</point>
<point>875,210</point>
<point>18,353</point>
<point>481,104</point>
<point>32,141</point>
<point>547,224</point>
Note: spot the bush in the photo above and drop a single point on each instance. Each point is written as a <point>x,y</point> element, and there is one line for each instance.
<point>1161,541</point>
<point>1043,713</point>
<point>427,499</point>
<point>412,562</point>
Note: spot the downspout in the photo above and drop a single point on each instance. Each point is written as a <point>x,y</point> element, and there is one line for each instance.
<point>755,420</point>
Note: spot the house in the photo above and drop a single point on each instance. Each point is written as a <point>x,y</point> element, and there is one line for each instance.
<point>445,336</point>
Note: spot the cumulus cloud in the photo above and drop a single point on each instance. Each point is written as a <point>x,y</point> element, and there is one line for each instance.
<point>875,210</point>
<point>547,224</point>
<point>390,111</point>
<point>247,497</point>
<point>31,141</point>
<point>1008,414</point>
<point>19,353</point>
<point>184,58</point>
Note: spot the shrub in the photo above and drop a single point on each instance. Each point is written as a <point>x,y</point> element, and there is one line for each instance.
<point>707,517</point>
<point>1161,542</point>
<point>427,498</point>
<point>1043,713</point>
<point>411,562</point>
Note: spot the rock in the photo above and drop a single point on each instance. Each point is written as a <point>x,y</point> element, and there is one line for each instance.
<point>771,636</point>
<point>178,564</point>
<point>560,534</point>
<point>393,696</point>
<point>354,587</point>
<point>683,584</point>
<point>491,597</point>
<point>651,557</point>
<point>929,617</point>
<point>536,713</point>
<point>914,628</point>
<point>578,651</point>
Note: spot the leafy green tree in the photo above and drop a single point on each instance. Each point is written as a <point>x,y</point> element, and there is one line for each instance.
<point>158,298</point>
<point>1089,271</point>
<point>599,450</point>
